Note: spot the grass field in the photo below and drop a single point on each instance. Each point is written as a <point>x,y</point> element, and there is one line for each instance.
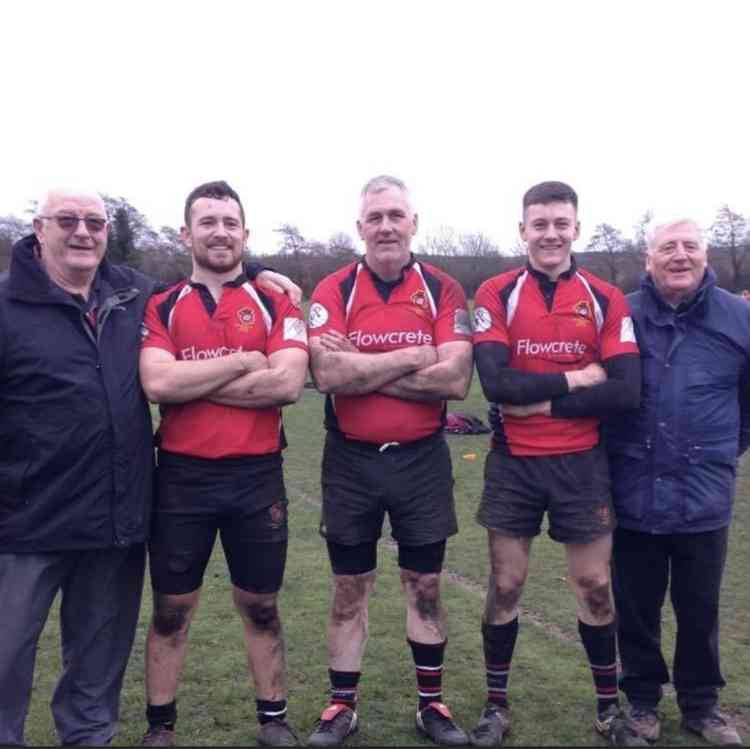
<point>550,685</point>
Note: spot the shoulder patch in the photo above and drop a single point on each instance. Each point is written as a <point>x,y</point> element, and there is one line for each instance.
<point>482,319</point>
<point>294,330</point>
<point>317,315</point>
<point>461,322</point>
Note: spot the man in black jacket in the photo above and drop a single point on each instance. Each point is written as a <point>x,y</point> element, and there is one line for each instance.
<point>75,466</point>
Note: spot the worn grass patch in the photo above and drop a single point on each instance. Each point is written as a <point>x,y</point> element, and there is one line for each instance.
<point>550,685</point>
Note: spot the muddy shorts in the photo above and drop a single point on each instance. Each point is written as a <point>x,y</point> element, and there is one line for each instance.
<point>243,499</point>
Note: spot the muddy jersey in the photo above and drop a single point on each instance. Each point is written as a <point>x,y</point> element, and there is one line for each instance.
<point>588,321</point>
<point>425,307</point>
<point>186,321</point>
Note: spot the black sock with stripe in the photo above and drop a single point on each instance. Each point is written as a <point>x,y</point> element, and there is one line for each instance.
<point>428,660</point>
<point>499,641</point>
<point>599,643</point>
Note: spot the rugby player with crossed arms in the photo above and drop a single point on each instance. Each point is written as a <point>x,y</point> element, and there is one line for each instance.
<point>389,341</point>
<point>554,346</point>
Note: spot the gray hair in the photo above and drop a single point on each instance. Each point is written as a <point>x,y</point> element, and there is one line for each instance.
<point>661,222</point>
<point>52,193</point>
<point>383,182</point>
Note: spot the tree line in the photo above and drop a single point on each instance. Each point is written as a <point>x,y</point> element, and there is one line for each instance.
<point>469,257</point>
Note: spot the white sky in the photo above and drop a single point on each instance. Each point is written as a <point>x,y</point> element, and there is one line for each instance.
<point>637,104</point>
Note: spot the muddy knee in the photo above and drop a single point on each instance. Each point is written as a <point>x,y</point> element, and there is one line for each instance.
<point>424,590</point>
<point>170,620</point>
<point>503,596</point>
<point>596,597</point>
<point>350,597</point>
<point>263,616</point>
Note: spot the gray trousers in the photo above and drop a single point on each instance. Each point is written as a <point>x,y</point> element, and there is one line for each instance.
<point>101,597</point>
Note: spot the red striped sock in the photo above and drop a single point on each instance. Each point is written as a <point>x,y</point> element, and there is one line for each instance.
<point>428,660</point>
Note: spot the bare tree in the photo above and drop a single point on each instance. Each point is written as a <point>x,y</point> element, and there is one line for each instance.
<point>729,232</point>
<point>443,242</point>
<point>292,242</point>
<point>341,245</point>
<point>609,241</point>
<point>477,245</point>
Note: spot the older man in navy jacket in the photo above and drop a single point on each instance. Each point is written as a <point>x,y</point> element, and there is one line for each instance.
<point>75,466</point>
<point>673,464</point>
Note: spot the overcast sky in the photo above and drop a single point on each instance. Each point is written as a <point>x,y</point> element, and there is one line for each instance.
<point>639,105</point>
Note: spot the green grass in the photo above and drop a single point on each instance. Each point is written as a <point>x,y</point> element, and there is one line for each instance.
<point>550,684</point>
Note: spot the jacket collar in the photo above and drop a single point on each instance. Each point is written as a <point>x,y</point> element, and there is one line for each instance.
<point>29,282</point>
<point>696,305</point>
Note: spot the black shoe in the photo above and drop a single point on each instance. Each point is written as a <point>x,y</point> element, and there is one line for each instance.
<point>493,726</point>
<point>158,736</point>
<point>335,724</point>
<point>277,732</point>
<point>436,723</point>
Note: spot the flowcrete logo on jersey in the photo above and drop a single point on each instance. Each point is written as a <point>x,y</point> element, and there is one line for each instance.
<point>390,338</point>
<point>527,347</point>
<point>208,353</point>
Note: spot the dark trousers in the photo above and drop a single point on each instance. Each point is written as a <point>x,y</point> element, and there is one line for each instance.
<point>101,596</point>
<point>642,566</point>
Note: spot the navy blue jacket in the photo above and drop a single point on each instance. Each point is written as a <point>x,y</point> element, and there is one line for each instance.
<point>673,461</point>
<point>76,455</point>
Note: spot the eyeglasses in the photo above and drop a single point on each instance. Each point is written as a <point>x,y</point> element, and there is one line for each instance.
<point>93,224</point>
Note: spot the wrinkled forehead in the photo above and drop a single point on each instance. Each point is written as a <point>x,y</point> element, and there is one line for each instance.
<point>387,199</point>
<point>68,201</point>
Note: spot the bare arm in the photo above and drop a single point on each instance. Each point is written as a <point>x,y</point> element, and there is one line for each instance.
<point>279,384</point>
<point>169,380</point>
<point>448,379</point>
<point>338,367</point>
<point>269,279</point>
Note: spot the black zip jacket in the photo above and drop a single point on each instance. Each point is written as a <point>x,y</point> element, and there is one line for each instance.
<point>76,455</point>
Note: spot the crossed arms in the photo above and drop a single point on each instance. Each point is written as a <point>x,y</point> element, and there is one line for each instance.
<point>596,390</point>
<point>420,373</point>
<point>243,379</point>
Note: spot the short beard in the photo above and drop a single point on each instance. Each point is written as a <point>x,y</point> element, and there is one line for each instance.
<point>215,267</point>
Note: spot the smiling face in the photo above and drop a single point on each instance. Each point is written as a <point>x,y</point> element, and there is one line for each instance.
<point>72,255</point>
<point>387,224</point>
<point>549,230</point>
<point>676,259</point>
<point>216,235</point>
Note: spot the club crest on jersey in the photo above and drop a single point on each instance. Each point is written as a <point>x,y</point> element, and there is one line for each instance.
<point>246,318</point>
<point>419,298</point>
<point>583,309</point>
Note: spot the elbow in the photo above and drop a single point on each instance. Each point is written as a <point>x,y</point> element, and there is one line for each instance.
<point>154,391</point>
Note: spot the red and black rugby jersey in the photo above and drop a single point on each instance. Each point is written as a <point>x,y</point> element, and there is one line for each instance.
<point>186,321</point>
<point>588,321</point>
<point>426,306</point>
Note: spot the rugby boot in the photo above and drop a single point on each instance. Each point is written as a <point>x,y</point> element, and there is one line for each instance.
<point>336,723</point>
<point>436,723</point>
<point>277,732</point>
<point>158,736</point>
<point>493,726</point>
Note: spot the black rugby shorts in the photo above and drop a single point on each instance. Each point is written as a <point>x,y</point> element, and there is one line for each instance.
<point>244,499</point>
<point>573,489</point>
